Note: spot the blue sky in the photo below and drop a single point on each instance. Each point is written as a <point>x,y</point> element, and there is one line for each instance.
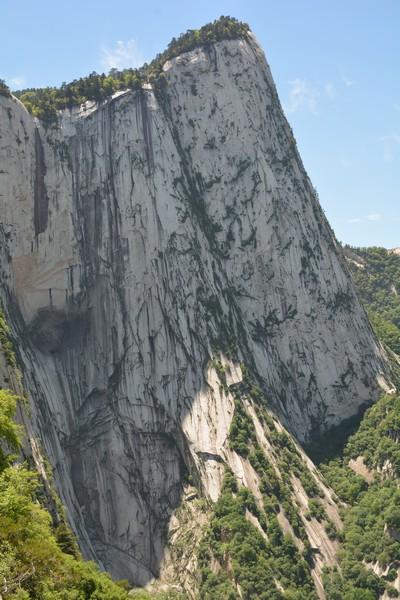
<point>336,65</point>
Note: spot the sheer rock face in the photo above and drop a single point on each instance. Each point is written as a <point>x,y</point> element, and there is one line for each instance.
<point>143,237</point>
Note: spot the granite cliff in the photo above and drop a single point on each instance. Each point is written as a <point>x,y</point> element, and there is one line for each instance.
<point>164,257</point>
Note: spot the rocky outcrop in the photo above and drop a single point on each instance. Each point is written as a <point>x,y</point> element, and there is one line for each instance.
<point>144,238</point>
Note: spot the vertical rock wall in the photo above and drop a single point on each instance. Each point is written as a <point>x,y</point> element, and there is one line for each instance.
<point>143,238</point>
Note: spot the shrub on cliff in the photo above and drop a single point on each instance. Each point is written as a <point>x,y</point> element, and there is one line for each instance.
<point>4,89</point>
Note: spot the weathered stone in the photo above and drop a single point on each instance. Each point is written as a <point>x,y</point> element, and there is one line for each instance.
<point>144,237</point>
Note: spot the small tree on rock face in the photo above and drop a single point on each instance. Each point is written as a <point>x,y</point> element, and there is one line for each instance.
<point>4,89</point>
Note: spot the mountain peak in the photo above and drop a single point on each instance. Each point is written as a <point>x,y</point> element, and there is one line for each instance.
<point>185,310</point>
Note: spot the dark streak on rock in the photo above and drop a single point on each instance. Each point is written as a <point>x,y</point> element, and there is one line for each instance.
<point>146,124</point>
<point>41,208</point>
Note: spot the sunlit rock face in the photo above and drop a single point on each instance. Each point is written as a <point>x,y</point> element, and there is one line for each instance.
<point>142,238</point>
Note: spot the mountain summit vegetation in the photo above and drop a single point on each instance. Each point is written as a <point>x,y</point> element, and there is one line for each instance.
<point>45,102</point>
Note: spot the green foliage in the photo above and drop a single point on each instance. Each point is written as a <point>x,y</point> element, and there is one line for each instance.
<point>45,102</point>
<point>141,594</point>
<point>364,535</point>
<point>378,286</point>
<point>316,510</point>
<point>308,483</point>
<point>378,437</point>
<point>393,517</point>
<point>373,510</point>
<point>9,430</point>
<point>277,489</point>
<point>219,368</point>
<point>387,331</point>
<point>241,432</point>
<point>247,559</point>
<point>4,89</point>
<point>364,542</point>
<point>347,484</point>
<point>5,342</point>
<point>249,388</point>
<point>332,531</point>
<point>66,539</point>
<point>242,437</point>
